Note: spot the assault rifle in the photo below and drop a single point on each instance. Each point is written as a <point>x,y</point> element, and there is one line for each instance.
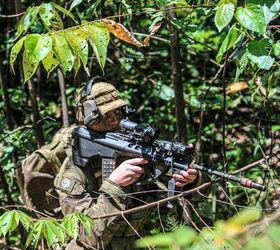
<point>136,140</point>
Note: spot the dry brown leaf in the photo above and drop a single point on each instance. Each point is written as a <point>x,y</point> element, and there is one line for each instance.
<point>236,87</point>
<point>119,31</point>
<point>154,30</point>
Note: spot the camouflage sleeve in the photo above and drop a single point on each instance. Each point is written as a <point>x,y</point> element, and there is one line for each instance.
<point>70,184</point>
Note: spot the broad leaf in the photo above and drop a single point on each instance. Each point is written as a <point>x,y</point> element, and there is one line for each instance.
<point>77,65</point>
<point>224,14</point>
<point>77,40</point>
<point>258,54</point>
<point>25,220</point>
<point>251,17</point>
<point>15,50</point>
<point>228,43</point>
<point>50,17</point>
<point>29,65</point>
<point>36,233</point>
<point>63,52</point>
<point>100,38</point>
<point>70,223</point>
<point>37,46</point>
<point>27,20</point>
<point>52,231</point>
<point>8,222</point>
<point>120,32</point>
<point>50,62</point>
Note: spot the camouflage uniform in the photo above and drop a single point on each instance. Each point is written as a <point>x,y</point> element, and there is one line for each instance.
<point>81,189</point>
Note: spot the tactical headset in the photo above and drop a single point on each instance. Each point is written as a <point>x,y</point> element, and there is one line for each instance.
<point>89,107</point>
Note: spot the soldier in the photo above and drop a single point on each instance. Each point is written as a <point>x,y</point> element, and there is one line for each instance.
<point>83,190</point>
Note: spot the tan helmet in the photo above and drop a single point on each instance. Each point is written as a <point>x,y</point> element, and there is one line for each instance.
<point>97,98</point>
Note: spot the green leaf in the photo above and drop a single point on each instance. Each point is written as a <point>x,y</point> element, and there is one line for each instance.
<point>77,40</point>
<point>37,46</point>
<point>15,50</point>
<point>273,233</point>
<point>27,20</point>
<point>53,231</point>
<point>70,223</point>
<point>228,43</point>
<point>63,52</point>
<point>252,18</point>
<point>50,62</point>
<point>100,37</point>
<point>224,14</point>
<point>8,222</point>
<point>77,65</point>
<point>74,4</point>
<point>86,221</point>
<point>64,11</point>
<point>245,217</point>
<point>50,17</point>
<point>29,65</point>
<point>276,49</point>
<point>258,54</point>
<point>37,232</point>
<point>25,220</point>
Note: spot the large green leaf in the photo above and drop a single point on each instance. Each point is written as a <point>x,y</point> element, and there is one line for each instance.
<point>258,54</point>
<point>53,231</point>
<point>64,11</point>
<point>15,50</point>
<point>224,14</point>
<point>8,222</point>
<point>251,17</point>
<point>77,39</point>
<point>50,17</point>
<point>37,46</point>
<point>29,65</point>
<point>27,20</point>
<point>228,43</point>
<point>63,52</point>
<point>100,37</point>
<point>25,220</point>
<point>50,62</point>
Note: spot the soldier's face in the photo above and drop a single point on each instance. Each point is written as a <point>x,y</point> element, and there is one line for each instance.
<point>109,122</point>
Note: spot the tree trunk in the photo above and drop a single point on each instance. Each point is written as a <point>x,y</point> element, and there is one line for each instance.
<point>177,81</point>
<point>65,116</point>
<point>4,87</point>
<point>36,116</point>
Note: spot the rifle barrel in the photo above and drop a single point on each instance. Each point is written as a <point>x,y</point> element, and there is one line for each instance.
<point>243,181</point>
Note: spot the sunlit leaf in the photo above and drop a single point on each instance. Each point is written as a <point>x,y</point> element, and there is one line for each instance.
<point>120,32</point>
<point>50,17</point>
<point>245,217</point>
<point>100,38</point>
<point>63,52</point>
<point>77,40</point>
<point>251,17</point>
<point>25,220</point>
<point>15,50</point>
<point>29,65</point>
<point>228,43</point>
<point>50,62</point>
<point>8,222</point>
<point>224,14</point>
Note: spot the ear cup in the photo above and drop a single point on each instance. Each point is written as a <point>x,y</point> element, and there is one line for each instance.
<point>90,112</point>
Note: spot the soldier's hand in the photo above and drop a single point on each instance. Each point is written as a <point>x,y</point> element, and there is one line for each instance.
<point>185,177</point>
<point>128,172</point>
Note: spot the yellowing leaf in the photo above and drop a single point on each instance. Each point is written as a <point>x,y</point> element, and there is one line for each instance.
<point>120,32</point>
<point>236,87</point>
<point>154,30</point>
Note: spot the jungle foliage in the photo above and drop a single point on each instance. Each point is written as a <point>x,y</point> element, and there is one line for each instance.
<point>204,72</point>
